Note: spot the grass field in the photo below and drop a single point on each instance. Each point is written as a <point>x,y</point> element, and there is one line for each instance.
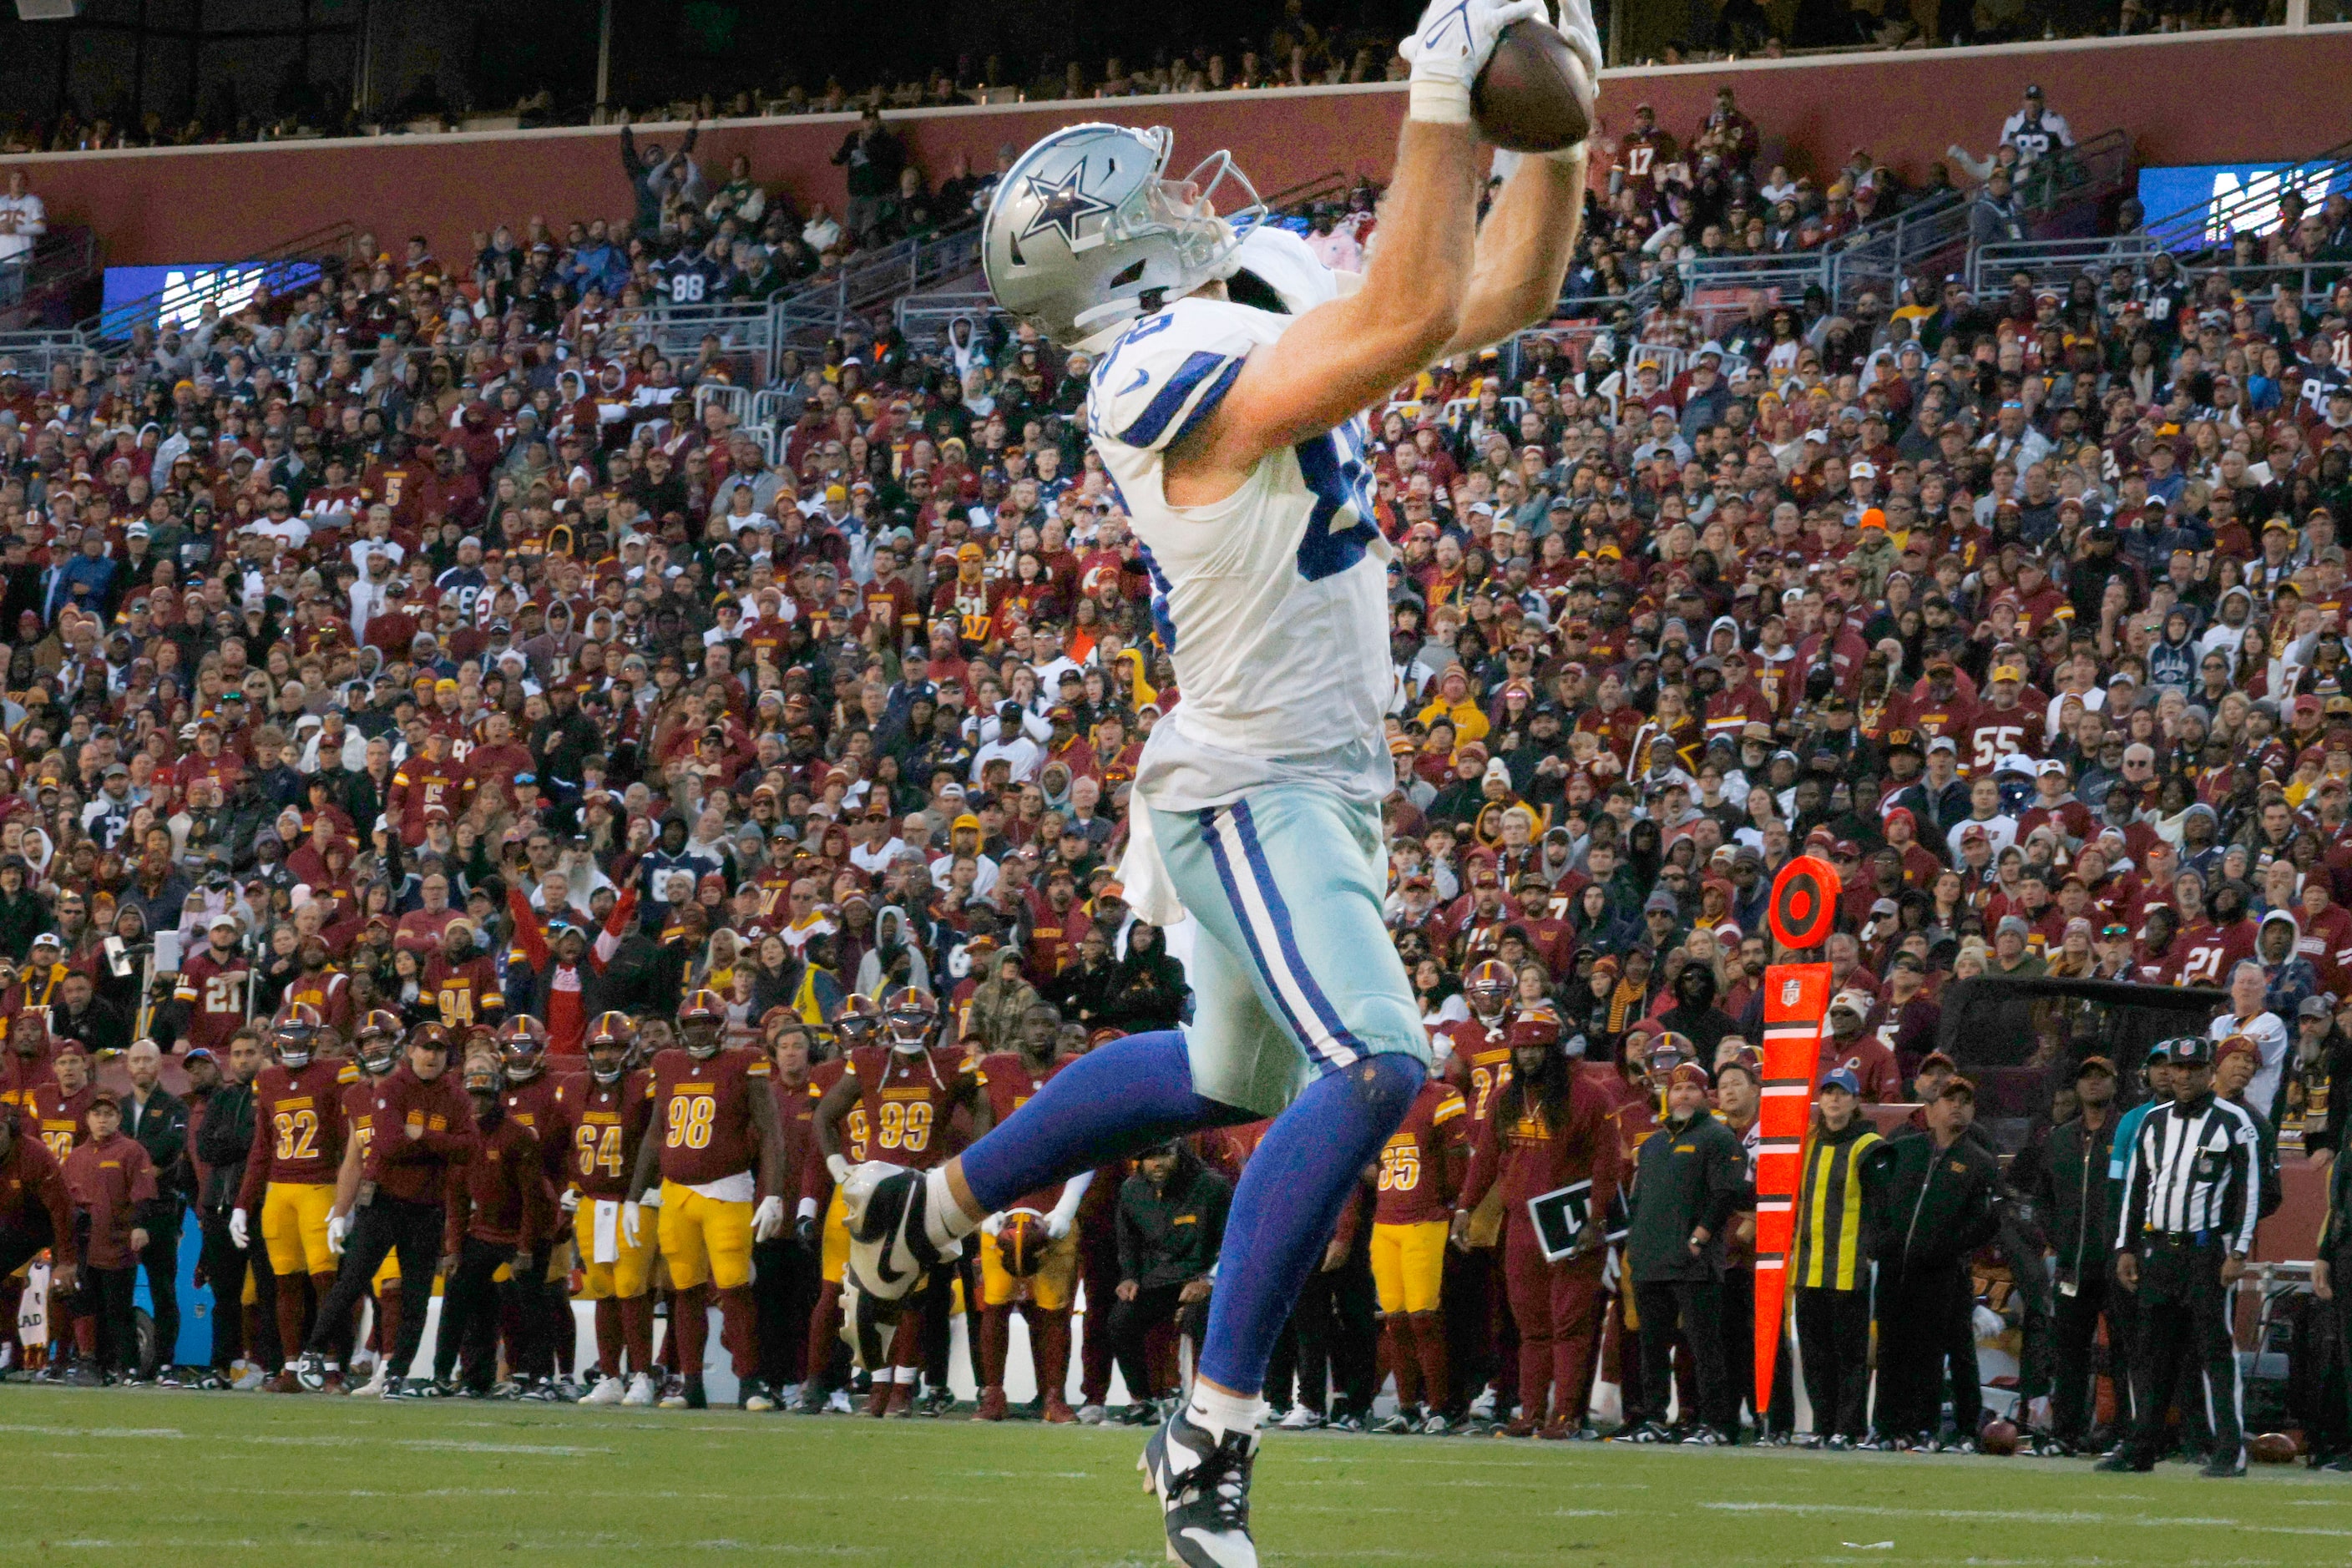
<point>161,1479</point>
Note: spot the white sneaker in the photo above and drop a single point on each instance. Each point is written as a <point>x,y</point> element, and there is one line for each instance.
<point>1091,1414</point>
<point>608,1391</point>
<point>254,1378</point>
<point>840,1403</point>
<point>641,1391</point>
<point>1301,1419</point>
<point>374,1387</point>
<point>1483,1407</point>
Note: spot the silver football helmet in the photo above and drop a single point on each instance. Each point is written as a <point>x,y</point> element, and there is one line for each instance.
<point>1086,231</point>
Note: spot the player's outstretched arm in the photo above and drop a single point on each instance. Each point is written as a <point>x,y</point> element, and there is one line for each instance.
<point>1524,245</point>
<point>1341,357</point>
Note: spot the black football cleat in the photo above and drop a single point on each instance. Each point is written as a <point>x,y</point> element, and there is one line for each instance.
<point>888,1252</point>
<point>1202,1485</point>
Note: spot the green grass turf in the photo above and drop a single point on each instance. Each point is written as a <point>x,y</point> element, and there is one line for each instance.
<point>160,1479</point>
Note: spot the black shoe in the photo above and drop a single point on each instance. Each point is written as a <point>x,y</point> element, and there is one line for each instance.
<point>423,1388</point>
<point>889,1250</point>
<point>2221,1467</point>
<point>694,1398</point>
<point>311,1370</point>
<point>1202,1484</point>
<point>1139,1414</point>
<point>2120,1463</point>
<point>752,1394</point>
<point>936,1403</point>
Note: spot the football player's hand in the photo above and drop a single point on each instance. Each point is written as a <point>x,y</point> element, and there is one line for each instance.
<point>1334,1254</point>
<point>61,1276</point>
<point>1057,1226</point>
<point>449,1266</point>
<point>1454,37</point>
<point>238,1229</point>
<point>1583,38</point>
<point>631,1223</point>
<point>2323,1284</point>
<point>138,1238</point>
<point>570,1202</point>
<point>1194,1290</point>
<point>1127,1289</point>
<point>1457,1230</point>
<point>339,1230</point>
<point>768,1219</point>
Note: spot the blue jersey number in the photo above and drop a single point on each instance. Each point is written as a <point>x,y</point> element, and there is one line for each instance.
<point>1340,528</point>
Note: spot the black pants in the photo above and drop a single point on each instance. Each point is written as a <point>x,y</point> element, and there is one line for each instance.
<point>225,1265</point>
<point>161,1258</point>
<point>1689,1311</point>
<point>1132,1321</point>
<point>105,1294</point>
<point>1739,1358</point>
<point>1337,1322</point>
<point>471,1305</point>
<point>1834,1338</point>
<point>1467,1297</point>
<point>2031,1287</point>
<point>2184,1313</point>
<point>1925,1333</point>
<point>2074,1327</point>
<point>785,1279</point>
<point>383,1226</point>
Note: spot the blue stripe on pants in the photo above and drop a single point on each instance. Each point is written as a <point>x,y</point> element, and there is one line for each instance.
<point>1342,1045</point>
<point>1211,836</point>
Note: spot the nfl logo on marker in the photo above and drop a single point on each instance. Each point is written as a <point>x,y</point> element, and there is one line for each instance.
<point>1789,992</point>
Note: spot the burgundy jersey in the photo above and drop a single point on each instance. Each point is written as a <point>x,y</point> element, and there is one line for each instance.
<point>1009,1084</point>
<point>1415,1162</point>
<point>297,1126</point>
<point>702,1113</point>
<point>907,1100</point>
<point>359,1112</point>
<point>467,993</point>
<point>608,1123</point>
<point>1479,1066</point>
<point>537,1102</point>
<point>215,992</point>
<point>59,1120</point>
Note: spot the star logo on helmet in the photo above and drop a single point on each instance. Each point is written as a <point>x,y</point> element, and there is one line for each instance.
<point>1062,205</point>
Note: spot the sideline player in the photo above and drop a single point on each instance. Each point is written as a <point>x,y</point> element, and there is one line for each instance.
<point>907,1090</point>
<point>1227,403</point>
<point>719,1156</point>
<point>608,1109</point>
<point>534,1098</point>
<point>289,1174</point>
<point>1042,1286</point>
<point>376,1044</point>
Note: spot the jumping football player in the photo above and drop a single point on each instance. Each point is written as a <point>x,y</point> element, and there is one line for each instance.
<point>1227,401</point>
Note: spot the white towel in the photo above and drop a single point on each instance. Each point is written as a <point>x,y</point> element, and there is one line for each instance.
<point>605,1230</point>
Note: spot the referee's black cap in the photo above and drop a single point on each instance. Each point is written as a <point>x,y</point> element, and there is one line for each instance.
<point>2189,1051</point>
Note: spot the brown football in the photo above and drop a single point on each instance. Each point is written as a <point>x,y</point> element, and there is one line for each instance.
<point>1998,1437</point>
<point>1022,1242</point>
<point>1533,95</point>
<point>2272,1449</point>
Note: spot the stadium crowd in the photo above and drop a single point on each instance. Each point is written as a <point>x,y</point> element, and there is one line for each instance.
<point>547,827</point>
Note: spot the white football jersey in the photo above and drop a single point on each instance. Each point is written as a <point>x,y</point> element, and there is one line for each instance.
<point>1275,599</point>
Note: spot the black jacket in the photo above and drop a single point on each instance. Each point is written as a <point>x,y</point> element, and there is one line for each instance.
<point>222,1144</point>
<point>1171,1236</point>
<point>1938,1205</point>
<point>2072,1197</point>
<point>1684,1177</point>
<point>162,1128</point>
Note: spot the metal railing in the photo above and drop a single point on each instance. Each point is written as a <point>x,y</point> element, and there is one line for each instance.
<point>2054,263</point>
<point>2208,225</point>
<point>817,310</point>
<point>921,317</point>
<point>41,285</point>
<point>2312,282</point>
<point>1929,236</point>
<point>746,336</point>
<point>1783,274</point>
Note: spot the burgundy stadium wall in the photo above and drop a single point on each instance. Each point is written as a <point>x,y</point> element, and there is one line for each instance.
<point>2254,94</point>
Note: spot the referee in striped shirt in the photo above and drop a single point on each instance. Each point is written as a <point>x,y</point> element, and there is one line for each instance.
<point>2191,1199</point>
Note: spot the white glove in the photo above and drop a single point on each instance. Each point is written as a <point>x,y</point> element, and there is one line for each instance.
<point>570,1202</point>
<point>652,1199</point>
<point>1057,1226</point>
<point>339,1228</point>
<point>1583,38</point>
<point>238,1230</point>
<point>632,1222</point>
<point>1449,48</point>
<point>1989,1323</point>
<point>768,1219</point>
